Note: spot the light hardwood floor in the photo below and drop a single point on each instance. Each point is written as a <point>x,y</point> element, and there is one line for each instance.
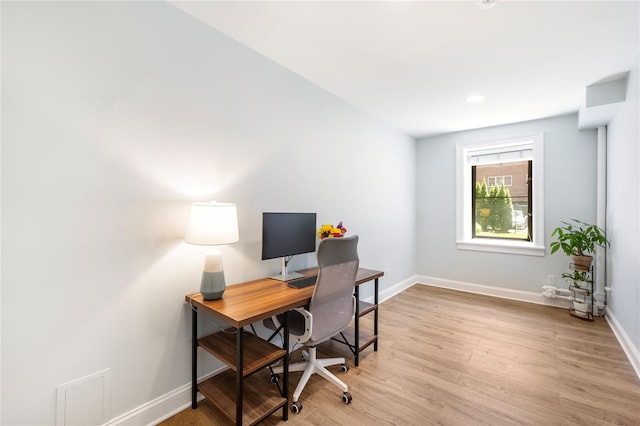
<point>453,358</point>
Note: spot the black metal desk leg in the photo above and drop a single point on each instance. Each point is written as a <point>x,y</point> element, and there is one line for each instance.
<point>356,343</point>
<point>239,374</point>
<point>375,315</point>
<point>285,370</point>
<point>194,357</point>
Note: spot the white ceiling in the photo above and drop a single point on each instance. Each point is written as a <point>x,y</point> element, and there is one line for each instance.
<point>413,64</point>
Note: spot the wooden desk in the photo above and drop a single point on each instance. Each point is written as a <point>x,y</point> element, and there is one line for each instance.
<point>242,305</point>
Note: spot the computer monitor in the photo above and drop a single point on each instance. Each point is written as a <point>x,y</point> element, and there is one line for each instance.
<point>285,235</point>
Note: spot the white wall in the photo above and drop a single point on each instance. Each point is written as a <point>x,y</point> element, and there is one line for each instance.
<point>115,116</point>
<point>623,213</point>
<point>570,179</point>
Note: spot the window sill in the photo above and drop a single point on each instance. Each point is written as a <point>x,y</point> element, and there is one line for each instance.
<point>501,246</point>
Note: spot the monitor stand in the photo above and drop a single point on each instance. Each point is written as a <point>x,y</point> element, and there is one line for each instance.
<point>284,275</point>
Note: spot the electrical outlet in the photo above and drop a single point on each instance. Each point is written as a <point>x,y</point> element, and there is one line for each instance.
<point>551,279</point>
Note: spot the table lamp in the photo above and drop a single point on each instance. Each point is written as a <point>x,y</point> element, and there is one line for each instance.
<point>212,224</point>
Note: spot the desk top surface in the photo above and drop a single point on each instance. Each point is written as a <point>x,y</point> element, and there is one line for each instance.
<point>246,303</point>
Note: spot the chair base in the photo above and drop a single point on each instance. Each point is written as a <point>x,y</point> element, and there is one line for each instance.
<point>312,366</point>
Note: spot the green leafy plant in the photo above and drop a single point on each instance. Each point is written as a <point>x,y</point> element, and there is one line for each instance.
<point>578,238</point>
<point>577,276</point>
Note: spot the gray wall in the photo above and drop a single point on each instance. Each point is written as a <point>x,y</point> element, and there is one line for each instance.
<point>623,215</point>
<point>116,116</point>
<point>569,178</point>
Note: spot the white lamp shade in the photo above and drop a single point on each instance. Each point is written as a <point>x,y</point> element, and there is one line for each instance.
<point>212,224</point>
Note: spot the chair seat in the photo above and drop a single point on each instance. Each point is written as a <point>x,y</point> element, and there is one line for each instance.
<point>296,323</point>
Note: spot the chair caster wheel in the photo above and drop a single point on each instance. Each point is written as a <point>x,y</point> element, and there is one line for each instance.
<point>346,398</point>
<point>296,407</point>
<point>305,356</point>
<point>344,368</point>
<point>275,379</point>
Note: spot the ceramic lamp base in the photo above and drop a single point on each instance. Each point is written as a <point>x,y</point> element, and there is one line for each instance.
<point>212,286</point>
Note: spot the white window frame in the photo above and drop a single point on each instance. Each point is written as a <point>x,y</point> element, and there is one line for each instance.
<point>464,240</point>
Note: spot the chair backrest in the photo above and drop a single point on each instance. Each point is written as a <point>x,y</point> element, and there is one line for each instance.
<point>332,301</point>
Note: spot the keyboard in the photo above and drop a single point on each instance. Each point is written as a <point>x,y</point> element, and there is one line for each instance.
<point>303,282</point>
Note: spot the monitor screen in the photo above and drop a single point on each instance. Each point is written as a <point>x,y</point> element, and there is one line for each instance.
<point>287,234</point>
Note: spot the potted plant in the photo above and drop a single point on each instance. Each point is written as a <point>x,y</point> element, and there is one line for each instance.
<point>577,239</point>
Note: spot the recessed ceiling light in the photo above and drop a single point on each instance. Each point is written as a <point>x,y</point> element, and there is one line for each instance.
<point>474,99</point>
<point>486,4</point>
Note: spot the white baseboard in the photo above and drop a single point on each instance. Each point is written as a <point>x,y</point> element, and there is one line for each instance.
<point>161,408</point>
<point>393,290</point>
<point>504,293</point>
<point>627,345</point>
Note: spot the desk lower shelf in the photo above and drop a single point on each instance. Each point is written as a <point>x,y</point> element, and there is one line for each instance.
<point>261,397</point>
<point>258,353</point>
<point>365,338</point>
<point>366,307</point>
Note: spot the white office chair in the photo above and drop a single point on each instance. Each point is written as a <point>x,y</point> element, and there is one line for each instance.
<point>330,311</point>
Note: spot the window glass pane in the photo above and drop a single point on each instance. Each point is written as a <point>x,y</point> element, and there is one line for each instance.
<point>501,211</point>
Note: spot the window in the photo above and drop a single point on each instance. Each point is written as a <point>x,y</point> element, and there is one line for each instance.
<point>500,196</point>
